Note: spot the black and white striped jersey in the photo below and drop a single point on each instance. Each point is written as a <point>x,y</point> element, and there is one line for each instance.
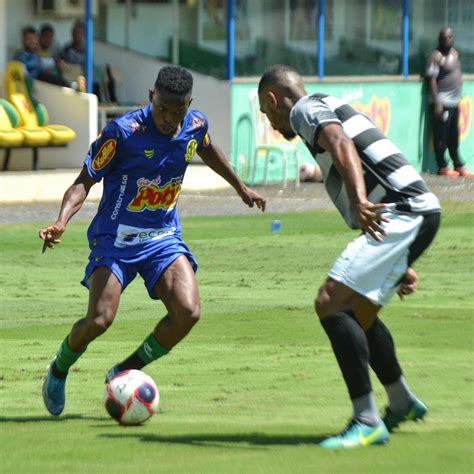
<point>389,178</point>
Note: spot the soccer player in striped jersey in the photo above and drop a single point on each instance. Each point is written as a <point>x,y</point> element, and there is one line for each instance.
<point>375,190</point>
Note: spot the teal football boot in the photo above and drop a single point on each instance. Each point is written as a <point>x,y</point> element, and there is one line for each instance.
<point>54,392</point>
<point>416,411</point>
<point>357,435</point>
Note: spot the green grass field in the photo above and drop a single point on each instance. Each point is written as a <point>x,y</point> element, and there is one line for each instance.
<point>255,386</point>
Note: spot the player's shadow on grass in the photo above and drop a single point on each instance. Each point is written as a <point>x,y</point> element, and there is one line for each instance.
<point>218,439</point>
<point>54,419</point>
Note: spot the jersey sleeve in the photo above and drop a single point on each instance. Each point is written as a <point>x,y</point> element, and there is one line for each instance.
<point>102,154</point>
<point>204,139</point>
<point>309,116</point>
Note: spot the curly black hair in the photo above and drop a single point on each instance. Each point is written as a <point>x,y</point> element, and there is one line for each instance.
<point>175,80</point>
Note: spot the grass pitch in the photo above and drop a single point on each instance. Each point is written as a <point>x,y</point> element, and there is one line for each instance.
<point>255,386</point>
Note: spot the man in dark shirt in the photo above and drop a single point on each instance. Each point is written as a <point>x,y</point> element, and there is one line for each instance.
<point>74,53</point>
<point>443,72</point>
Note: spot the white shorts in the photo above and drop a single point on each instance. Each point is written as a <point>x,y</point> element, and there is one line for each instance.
<point>374,269</point>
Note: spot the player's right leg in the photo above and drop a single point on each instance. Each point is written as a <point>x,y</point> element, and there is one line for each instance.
<point>440,144</point>
<point>177,287</point>
<point>350,347</point>
<point>104,297</point>
<point>402,403</point>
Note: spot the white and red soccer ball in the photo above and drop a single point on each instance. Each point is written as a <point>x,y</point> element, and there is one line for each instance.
<point>131,397</point>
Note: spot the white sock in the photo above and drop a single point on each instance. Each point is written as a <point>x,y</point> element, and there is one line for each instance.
<point>399,395</point>
<point>365,410</point>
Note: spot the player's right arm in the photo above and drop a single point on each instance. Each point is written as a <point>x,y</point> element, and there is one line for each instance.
<point>432,72</point>
<point>101,158</point>
<point>73,200</point>
<point>347,162</point>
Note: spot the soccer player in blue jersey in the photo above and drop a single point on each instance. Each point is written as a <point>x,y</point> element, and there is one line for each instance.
<point>141,158</point>
<point>375,190</point>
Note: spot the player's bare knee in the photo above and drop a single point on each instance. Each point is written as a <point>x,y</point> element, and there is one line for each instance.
<point>99,325</point>
<point>193,313</point>
<point>100,322</point>
<point>186,314</point>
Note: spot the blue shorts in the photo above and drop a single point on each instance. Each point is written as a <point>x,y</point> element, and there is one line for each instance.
<point>150,267</point>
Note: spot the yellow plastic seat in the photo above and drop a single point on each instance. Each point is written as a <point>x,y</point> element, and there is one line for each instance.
<point>33,115</point>
<point>9,137</point>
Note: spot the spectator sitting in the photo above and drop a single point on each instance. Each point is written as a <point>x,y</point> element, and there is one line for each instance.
<point>74,53</point>
<point>31,58</point>
<point>48,46</point>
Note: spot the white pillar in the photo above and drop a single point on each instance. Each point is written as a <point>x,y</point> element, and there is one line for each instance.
<point>175,39</point>
<point>127,17</point>
<point>3,38</point>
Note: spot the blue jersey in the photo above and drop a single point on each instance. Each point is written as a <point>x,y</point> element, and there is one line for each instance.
<point>142,171</point>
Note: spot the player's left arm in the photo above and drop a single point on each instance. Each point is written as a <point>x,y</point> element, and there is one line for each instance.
<point>214,157</point>
<point>347,162</point>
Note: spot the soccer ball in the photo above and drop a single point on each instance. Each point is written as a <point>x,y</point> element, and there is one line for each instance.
<point>131,397</point>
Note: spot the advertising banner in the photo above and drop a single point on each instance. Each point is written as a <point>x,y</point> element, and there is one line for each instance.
<point>398,109</point>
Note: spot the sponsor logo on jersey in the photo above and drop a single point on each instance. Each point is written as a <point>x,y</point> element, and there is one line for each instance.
<point>149,153</point>
<point>136,127</point>
<point>152,197</point>
<point>146,182</point>
<point>191,150</point>
<point>105,154</point>
<point>128,236</point>
<point>196,123</point>
<point>118,202</point>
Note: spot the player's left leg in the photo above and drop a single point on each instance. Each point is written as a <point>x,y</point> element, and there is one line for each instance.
<point>333,306</point>
<point>403,404</point>
<point>363,280</point>
<point>177,288</point>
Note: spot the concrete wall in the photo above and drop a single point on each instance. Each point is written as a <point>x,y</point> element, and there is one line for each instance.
<point>143,25</point>
<point>211,96</point>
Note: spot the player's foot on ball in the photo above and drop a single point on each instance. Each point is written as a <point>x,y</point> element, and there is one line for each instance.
<point>54,392</point>
<point>416,411</point>
<point>113,372</point>
<point>357,435</point>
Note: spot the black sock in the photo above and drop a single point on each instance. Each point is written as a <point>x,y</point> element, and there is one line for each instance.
<point>57,373</point>
<point>383,359</point>
<point>132,362</point>
<point>352,352</point>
